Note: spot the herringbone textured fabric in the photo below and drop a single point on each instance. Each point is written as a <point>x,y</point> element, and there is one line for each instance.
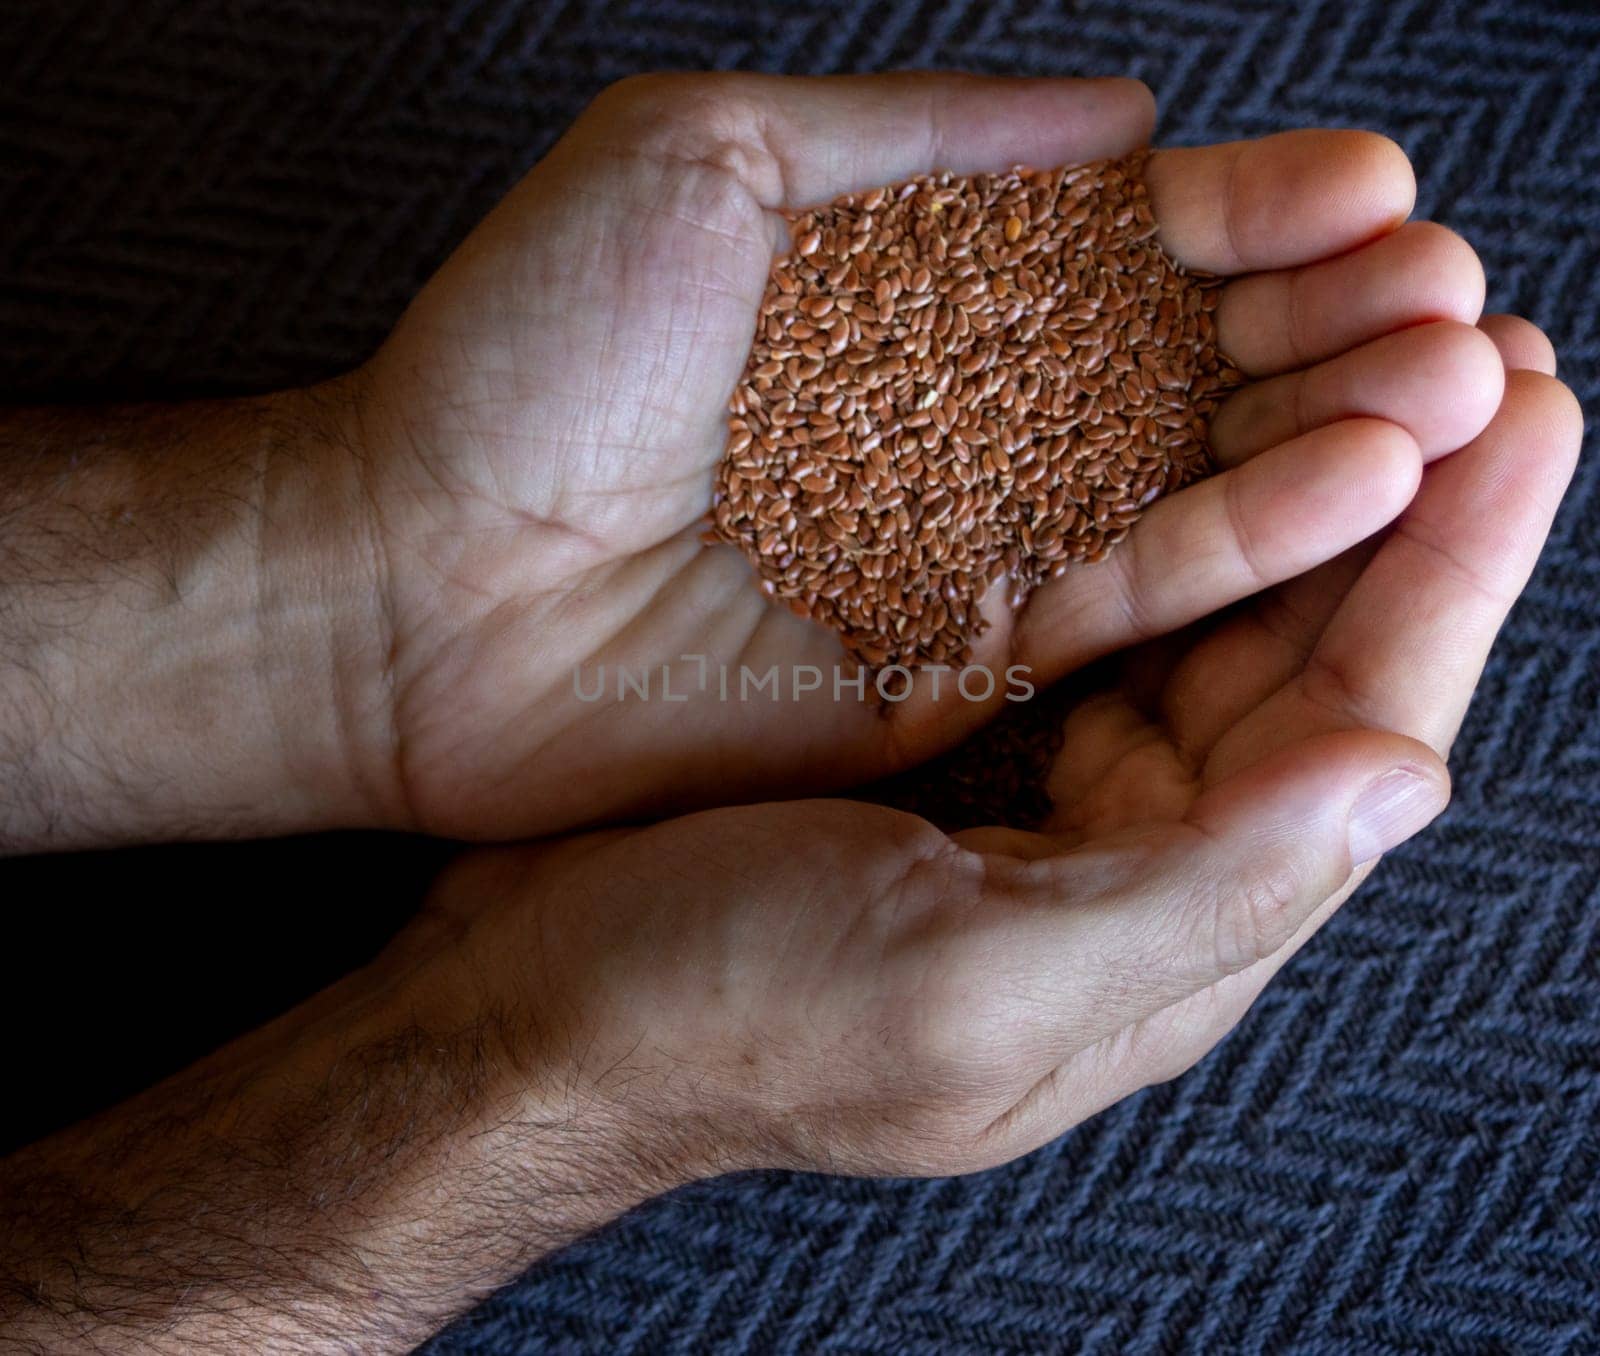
<point>1398,1150</point>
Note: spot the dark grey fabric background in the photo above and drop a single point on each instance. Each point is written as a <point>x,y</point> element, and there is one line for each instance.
<point>1397,1151</point>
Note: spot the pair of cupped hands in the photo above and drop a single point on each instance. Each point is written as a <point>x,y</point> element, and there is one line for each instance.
<point>828,983</point>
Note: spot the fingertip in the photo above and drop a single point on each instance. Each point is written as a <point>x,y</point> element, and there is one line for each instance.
<point>1364,180</point>
<point>1092,119</point>
<point>1468,357</point>
<point>1521,344</point>
<point>1283,833</point>
<point>1388,750</point>
<point>1419,758</point>
<point>1281,201</point>
<point>1449,266</point>
<point>1381,164</point>
<point>1548,415</point>
<point>1465,361</point>
<point>1317,778</point>
<point>1383,458</point>
<point>1135,102</point>
<point>1396,804</point>
<point>1276,321</point>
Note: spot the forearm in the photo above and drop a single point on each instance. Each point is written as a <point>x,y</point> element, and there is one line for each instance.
<point>187,635</point>
<point>343,1182</point>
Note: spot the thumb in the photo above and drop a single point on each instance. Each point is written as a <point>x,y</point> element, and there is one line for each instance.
<point>1129,925</point>
<point>1261,851</point>
<point>795,141</point>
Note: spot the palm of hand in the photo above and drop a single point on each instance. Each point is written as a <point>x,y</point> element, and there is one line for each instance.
<point>552,406</point>
<point>564,442</point>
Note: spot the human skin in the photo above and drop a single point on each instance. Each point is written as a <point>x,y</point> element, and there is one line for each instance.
<point>571,1027</point>
<point>364,604</point>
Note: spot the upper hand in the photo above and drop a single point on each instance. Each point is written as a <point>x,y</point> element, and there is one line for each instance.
<point>539,433</point>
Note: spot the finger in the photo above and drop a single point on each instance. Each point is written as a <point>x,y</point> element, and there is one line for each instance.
<point>1441,383</point>
<point>798,141</point>
<point>1522,344</point>
<point>1255,857</point>
<point>1229,536</point>
<point>1407,645</point>
<point>1278,201</point>
<point>1274,322</point>
<point>1455,564</point>
<point>1242,662</point>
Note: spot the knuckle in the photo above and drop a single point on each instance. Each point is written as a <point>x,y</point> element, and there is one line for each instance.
<point>1243,533</point>
<point>706,119</point>
<point>1257,919</point>
<point>696,145</point>
<point>1297,315</point>
<point>1132,587</point>
<point>1330,686</point>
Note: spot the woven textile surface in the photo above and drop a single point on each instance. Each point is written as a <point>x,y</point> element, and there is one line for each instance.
<point>1399,1149</point>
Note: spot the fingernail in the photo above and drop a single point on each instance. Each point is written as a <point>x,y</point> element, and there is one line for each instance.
<point>1389,810</point>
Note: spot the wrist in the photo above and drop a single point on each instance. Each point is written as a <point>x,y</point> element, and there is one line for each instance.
<point>577,1140</point>
<point>505,935</point>
<point>188,597</point>
<point>324,641</point>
